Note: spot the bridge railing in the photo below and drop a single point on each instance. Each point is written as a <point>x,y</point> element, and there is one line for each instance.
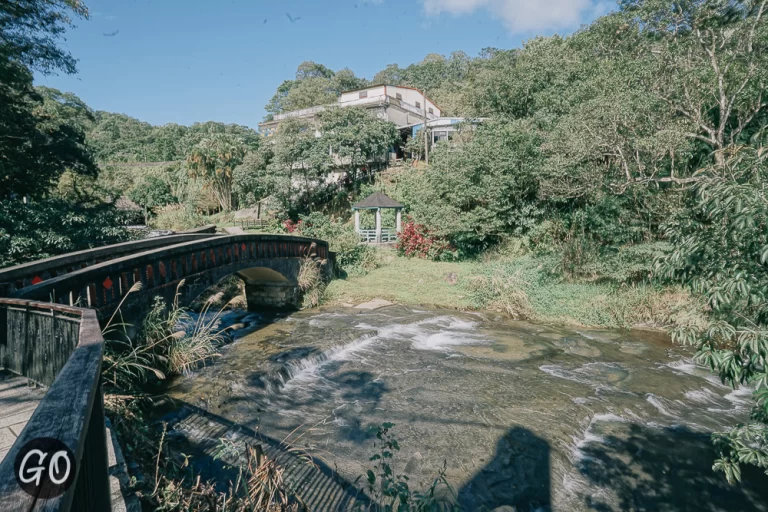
<point>32,273</point>
<point>62,347</point>
<point>102,286</point>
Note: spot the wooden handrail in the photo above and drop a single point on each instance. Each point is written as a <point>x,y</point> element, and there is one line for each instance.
<point>72,411</point>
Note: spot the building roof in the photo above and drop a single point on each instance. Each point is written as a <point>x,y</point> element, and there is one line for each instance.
<point>377,200</point>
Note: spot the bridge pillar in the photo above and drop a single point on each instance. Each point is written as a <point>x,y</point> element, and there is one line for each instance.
<point>272,295</point>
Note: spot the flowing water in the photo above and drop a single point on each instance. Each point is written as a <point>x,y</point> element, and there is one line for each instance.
<point>535,416</point>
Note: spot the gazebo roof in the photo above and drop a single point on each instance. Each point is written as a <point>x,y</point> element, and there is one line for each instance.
<point>377,200</point>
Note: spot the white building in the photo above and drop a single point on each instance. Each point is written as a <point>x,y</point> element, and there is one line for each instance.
<point>403,106</point>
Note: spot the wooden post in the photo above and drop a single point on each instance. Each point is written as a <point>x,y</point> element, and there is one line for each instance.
<point>92,490</point>
<point>399,220</point>
<point>378,225</point>
<point>357,221</point>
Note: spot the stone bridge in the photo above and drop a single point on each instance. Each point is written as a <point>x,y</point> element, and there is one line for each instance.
<point>50,333</point>
<point>100,278</point>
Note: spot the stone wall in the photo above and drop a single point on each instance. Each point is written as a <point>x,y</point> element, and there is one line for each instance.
<point>272,295</point>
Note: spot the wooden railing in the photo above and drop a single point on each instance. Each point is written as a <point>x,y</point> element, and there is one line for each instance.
<point>251,223</point>
<point>369,235</point>
<point>62,347</point>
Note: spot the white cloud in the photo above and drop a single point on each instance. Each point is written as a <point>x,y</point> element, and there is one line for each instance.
<point>521,16</point>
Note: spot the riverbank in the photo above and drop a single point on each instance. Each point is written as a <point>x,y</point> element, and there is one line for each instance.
<point>521,287</point>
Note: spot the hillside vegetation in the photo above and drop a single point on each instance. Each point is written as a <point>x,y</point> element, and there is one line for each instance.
<point>627,157</point>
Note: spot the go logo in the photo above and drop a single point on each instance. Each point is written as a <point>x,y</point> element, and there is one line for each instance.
<point>45,468</point>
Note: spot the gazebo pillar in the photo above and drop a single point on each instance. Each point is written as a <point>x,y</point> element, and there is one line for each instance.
<point>378,225</point>
<point>399,220</point>
<point>357,221</point>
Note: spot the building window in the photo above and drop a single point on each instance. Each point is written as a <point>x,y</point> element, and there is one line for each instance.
<point>439,136</point>
<point>431,110</point>
<point>363,94</point>
<point>418,104</point>
<point>398,96</point>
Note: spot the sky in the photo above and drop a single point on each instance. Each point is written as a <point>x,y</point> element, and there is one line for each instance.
<point>184,61</point>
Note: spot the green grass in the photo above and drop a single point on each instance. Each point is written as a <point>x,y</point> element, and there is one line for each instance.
<point>405,281</point>
<point>519,286</point>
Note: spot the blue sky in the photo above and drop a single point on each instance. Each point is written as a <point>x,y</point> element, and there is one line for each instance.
<point>197,60</point>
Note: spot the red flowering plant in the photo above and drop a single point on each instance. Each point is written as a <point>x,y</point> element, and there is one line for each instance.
<point>416,240</point>
<point>291,227</point>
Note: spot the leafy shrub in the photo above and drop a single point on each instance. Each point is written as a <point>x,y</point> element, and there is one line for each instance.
<point>391,490</point>
<point>48,227</point>
<point>721,252</point>
<point>177,217</point>
<point>351,256</point>
<point>151,192</point>
<point>417,240</point>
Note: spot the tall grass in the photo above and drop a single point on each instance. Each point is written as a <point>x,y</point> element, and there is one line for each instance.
<point>170,342</point>
<point>310,278</point>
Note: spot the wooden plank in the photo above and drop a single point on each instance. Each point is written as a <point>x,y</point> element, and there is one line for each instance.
<point>66,413</point>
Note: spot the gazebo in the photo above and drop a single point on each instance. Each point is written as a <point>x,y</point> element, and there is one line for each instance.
<point>377,201</point>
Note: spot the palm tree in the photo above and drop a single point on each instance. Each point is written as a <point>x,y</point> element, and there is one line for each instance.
<point>214,159</point>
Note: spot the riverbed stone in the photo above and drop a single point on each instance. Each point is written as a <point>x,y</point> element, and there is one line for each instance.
<point>373,304</point>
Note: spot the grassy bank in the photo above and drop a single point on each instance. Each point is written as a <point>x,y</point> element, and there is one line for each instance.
<point>519,286</point>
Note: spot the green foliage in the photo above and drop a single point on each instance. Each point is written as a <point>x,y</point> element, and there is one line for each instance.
<point>357,138</point>
<point>177,217</point>
<point>351,257</point>
<point>314,85</point>
<point>721,252</point>
<point>477,192</point>
<point>524,286</point>
<point>34,137</point>
<point>250,183</point>
<point>391,490</point>
<point>151,192</point>
<point>30,29</point>
<point>121,138</point>
<point>293,168</point>
<point>169,343</point>
<point>440,77</point>
<point>213,160</point>
<point>48,227</point>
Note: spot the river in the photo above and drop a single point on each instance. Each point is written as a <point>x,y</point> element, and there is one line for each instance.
<point>534,416</point>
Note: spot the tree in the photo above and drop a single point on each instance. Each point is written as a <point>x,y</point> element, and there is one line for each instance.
<point>151,192</point>
<point>297,166</point>
<point>314,85</point>
<point>30,30</point>
<point>721,252</point>
<point>357,139</point>
<point>33,138</point>
<point>250,180</point>
<point>475,193</point>
<point>709,62</point>
<point>213,160</point>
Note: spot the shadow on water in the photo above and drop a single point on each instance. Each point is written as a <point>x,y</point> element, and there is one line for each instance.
<point>667,469</point>
<point>363,389</point>
<point>517,476</point>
